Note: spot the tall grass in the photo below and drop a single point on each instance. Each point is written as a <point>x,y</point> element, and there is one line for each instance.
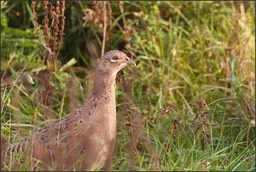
<point>191,97</point>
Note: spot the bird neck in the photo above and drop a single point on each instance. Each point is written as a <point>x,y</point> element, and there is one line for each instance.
<point>104,82</point>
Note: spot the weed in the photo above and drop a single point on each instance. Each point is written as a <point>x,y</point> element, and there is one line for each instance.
<point>189,104</point>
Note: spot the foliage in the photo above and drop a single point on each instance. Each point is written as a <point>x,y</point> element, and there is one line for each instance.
<point>191,98</point>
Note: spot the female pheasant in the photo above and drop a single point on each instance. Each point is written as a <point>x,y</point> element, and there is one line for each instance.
<point>84,139</point>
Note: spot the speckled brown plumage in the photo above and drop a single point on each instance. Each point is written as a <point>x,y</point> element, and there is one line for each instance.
<point>84,139</point>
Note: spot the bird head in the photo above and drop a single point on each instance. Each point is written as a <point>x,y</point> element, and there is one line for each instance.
<point>113,61</point>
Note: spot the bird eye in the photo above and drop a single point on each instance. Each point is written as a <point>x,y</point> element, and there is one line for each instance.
<point>115,58</point>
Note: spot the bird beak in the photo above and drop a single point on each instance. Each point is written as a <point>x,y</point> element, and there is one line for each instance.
<point>130,61</point>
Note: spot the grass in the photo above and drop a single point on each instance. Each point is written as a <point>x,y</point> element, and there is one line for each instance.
<point>193,58</point>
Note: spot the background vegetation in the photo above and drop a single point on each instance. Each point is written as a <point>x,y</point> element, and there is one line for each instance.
<point>188,105</point>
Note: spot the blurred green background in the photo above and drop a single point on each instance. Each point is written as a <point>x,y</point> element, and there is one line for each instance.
<point>191,96</point>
